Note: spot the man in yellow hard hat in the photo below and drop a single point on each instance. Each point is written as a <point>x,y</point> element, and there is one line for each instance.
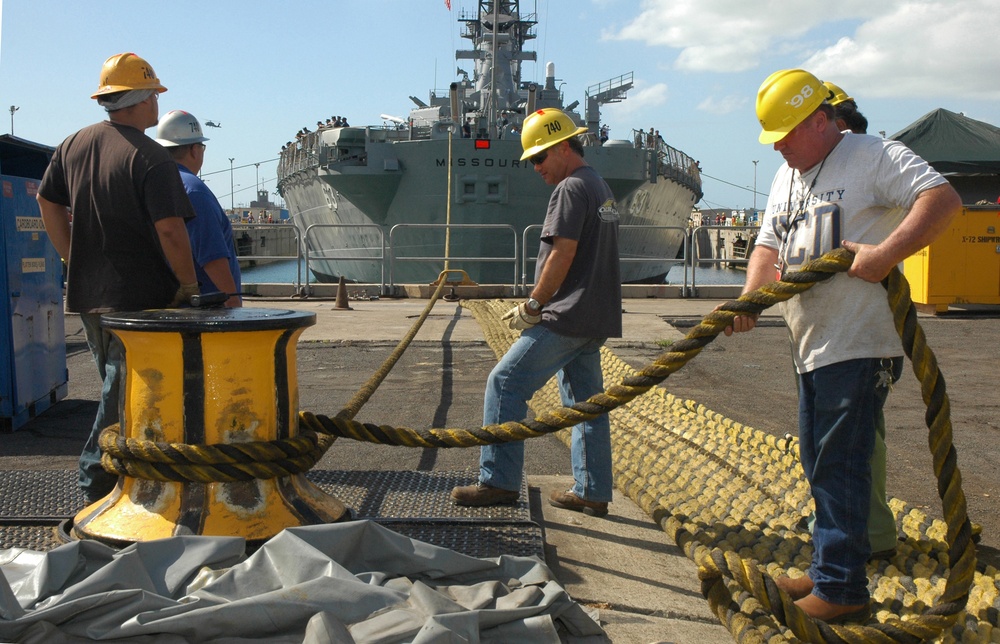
<point>574,306</point>
<point>879,200</point>
<point>128,248</point>
<point>882,534</point>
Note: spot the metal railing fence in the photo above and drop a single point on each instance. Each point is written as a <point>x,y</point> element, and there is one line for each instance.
<point>389,252</point>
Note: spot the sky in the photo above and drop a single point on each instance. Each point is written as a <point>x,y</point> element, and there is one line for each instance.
<point>264,69</point>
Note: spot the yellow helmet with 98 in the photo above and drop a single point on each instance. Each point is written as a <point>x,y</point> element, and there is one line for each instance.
<point>784,100</point>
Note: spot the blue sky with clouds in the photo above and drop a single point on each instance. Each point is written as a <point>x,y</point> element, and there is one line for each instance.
<point>265,69</point>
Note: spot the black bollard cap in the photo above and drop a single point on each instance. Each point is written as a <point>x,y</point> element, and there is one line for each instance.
<point>208,320</point>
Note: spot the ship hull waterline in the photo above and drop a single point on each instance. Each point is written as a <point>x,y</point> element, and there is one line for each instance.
<point>490,188</point>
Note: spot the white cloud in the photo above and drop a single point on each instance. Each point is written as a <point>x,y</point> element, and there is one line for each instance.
<point>724,105</point>
<point>898,48</point>
<point>730,35</point>
<point>641,98</point>
<point>920,49</point>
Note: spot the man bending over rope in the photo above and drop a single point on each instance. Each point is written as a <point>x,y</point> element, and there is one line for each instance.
<point>879,200</point>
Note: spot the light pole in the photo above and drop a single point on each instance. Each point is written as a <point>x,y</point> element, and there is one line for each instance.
<point>257,188</point>
<point>232,188</point>
<point>13,108</point>
<point>755,187</point>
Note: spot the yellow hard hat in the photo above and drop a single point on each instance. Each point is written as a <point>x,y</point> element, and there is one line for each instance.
<point>123,72</point>
<point>784,100</point>
<point>544,128</point>
<point>836,95</point>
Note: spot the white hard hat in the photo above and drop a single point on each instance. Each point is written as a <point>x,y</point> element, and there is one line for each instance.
<point>177,127</point>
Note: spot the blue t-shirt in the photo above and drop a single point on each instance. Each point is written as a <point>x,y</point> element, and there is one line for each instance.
<point>210,231</point>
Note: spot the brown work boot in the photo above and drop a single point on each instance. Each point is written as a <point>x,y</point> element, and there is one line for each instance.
<point>817,608</point>
<point>569,501</point>
<point>797,587</point>
<point>481,494</point>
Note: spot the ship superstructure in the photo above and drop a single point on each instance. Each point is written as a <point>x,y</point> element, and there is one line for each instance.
<point>447,180</point>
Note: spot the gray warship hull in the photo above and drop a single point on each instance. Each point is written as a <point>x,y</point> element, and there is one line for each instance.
<point>388,204</point>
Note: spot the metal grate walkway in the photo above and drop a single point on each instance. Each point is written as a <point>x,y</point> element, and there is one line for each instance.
<point>415,504</point>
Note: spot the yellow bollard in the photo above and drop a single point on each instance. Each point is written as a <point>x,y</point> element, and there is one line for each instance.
<point>208,376</point>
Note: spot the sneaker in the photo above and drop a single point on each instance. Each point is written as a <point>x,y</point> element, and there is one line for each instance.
<point>481,494</point>
<point>569,501</point>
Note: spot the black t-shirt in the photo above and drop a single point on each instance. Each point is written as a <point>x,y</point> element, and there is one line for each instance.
<point>588,304</point>
<point>117,182</point>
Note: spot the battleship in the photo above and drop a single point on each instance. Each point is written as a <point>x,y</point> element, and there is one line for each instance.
<point>397,202</point>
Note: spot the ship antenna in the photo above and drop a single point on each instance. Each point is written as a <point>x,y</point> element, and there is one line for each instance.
<point>494,97</point>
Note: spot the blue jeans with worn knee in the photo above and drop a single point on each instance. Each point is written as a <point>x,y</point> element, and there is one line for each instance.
<point>534,358</point>
<point>838,408</point>
<point>109,356</point>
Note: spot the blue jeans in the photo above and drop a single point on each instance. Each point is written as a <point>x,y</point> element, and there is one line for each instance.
<point>882,533</point>
<point>839,406</point>
<point>109,356</point>
<point>534,358</point>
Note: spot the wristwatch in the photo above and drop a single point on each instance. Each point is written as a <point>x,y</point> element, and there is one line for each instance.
<point>533,306</point>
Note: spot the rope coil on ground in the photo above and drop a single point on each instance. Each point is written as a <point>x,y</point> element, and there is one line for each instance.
<point>740,594</point>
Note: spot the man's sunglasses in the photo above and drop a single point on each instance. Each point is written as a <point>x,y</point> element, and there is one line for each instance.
<point>539,158</point>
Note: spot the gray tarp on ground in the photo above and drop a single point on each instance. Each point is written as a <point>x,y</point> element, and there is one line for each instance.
<point>348,582</point>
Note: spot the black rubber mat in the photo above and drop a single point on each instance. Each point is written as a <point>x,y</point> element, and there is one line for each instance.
<point>40,495</point>
<point>401,495</point>
<point>30,537</point>
<point>414,504</point>
<point>478,540</point>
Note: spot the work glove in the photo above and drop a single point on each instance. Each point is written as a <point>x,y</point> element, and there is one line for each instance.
<point>518,317</point>
<point>183,295</point>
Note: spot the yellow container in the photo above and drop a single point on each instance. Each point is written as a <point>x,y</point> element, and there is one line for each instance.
<point>224,376</point>
<point>962,266</point>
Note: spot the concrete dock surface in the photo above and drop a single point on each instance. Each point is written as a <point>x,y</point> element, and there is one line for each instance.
<point>623,565</point>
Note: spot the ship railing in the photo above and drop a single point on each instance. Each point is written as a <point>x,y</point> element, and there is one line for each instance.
<point>388,251</point>
<point>530,242</point>
<point>303,153</point>
<point>697,259</point>
<point>480,229</point>
<point>251,240</point>
<point>672,163</point>
<point>346,254</point>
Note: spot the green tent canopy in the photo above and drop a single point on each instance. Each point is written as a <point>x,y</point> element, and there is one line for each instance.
<point>954,143</point>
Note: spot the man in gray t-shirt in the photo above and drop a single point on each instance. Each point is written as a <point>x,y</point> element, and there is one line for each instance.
<point>574,307</point>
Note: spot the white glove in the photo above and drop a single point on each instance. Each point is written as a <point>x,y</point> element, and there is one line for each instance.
<point>518,317</point>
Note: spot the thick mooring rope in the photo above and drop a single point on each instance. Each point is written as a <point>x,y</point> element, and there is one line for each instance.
<point>737,589</point>
<point>157,461</point>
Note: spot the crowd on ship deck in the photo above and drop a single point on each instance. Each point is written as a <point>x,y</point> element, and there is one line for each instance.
<point>332,122</point>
